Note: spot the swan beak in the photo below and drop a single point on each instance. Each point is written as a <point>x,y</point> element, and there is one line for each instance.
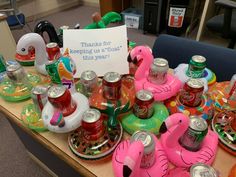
<point>163,128</point>
<point>126,171</point>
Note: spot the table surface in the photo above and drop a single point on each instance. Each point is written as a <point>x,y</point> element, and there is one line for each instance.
<point>57,143</point>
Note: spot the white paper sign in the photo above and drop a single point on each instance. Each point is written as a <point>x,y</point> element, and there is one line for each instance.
<point>100,50</point>
<point>131,21</point>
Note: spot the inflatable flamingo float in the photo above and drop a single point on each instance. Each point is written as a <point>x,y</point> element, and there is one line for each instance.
<point>143,55</point>
<point>127,158</point>
<point>36,41</point>
<point>173,128</point>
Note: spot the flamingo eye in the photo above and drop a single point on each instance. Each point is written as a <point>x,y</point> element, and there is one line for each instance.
<point>180,121</point>
<point>23,49</point>
<point>140,50</point>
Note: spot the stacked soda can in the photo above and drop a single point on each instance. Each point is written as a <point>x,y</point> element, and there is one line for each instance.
<point>143,105</point>
<point>192,92</point>
<point>92,124</point>
<point>60,97</point>
<point>16,73</point>
<point>111,84</point>
<point>195,134</point>
<point>146,138</point>
<point>39,96</point>
<point>196,66</point>
<point>158,71</point>
<point>53,51</point>
<point>203,170</point>
<point>89,82</point>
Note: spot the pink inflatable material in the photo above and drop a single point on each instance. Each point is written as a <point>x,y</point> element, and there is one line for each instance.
<point>173,128</point>
<point>143,55</point>
<point>127,158</point>
<point>179,172</point>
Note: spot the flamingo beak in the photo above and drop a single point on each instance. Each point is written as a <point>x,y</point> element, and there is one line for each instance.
<point>126,171</point>
<point>135,61</point>
<point>163,128</point>
<point>129,59</point>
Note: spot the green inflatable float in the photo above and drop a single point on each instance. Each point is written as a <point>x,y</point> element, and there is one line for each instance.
<point>131,123</point>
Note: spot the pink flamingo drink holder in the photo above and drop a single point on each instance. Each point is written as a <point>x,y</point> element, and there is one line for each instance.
<point>127,158</point>
<point>143,55</point>
<point>173,128</point>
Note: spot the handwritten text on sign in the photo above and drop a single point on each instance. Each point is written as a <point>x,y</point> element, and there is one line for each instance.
<point>100,50</point>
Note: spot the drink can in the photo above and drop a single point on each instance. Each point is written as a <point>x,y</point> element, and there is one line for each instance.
<point>143,105</point>
<point>191,94</point>
<point>16,73</point>
<point>195,134</point>
<point>202,170</point>
<point>89,82</point>
<point>63,28</point>
<point>2,64</point>
<point>53,51</point>
<point>111,84</point>
<point>59,96</point>
<point>232,88</point>
<point>52,70</point>
<point>158,71</point>
<point>92,123</point>
<point>146,138</point>
<point>39,96</point>
<point>11,62</point>
<point>196,66</point>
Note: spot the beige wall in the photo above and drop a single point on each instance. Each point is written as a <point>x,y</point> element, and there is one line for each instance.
<point>7,42</point>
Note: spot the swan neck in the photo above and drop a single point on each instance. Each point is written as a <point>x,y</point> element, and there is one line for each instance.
<point>144,66</point>
<point>40,54</point>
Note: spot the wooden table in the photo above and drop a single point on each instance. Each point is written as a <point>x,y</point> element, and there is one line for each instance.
<point>55,146</point>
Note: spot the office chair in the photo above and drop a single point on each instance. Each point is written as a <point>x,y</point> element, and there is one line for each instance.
<point>225,23</point>
<point>15,19</point>
<point>178,50</point>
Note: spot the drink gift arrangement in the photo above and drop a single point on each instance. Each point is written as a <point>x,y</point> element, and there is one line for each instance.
<point>143,120</point>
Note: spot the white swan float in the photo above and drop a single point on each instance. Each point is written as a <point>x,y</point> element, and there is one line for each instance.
<point>36,41</point>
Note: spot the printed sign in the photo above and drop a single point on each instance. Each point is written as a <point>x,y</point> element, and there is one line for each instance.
<point>132,21</point>
<point>176,17</point>
<point>100,50</point>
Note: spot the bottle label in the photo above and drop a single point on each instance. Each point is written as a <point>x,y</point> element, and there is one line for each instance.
<point>176,17</point>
